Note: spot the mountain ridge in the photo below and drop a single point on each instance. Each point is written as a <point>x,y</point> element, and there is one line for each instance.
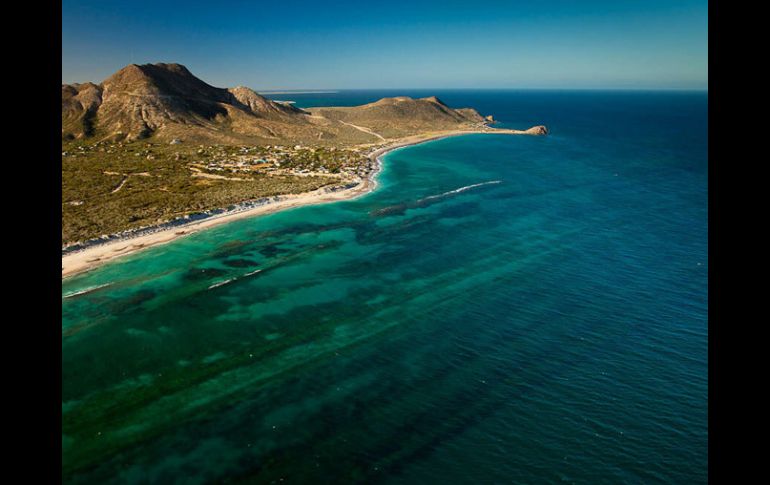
<point>166,101</point>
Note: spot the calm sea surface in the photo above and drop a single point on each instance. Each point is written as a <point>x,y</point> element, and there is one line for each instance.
<point>502,309</point>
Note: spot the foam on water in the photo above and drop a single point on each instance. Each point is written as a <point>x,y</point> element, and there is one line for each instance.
<point>461,189</point>
<point>221,283</point>
<point>85,290</point>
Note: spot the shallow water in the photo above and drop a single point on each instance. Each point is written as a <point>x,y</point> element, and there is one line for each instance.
<point>502,309</point>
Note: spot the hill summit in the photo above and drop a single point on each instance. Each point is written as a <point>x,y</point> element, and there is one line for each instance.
<point>166,101</point>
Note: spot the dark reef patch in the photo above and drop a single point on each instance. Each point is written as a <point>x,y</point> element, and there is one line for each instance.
<point>239,263</point>
<point>198,274</point>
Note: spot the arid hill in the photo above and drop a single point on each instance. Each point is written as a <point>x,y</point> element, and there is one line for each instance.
<point>166,102</point>
<point>403,116</point>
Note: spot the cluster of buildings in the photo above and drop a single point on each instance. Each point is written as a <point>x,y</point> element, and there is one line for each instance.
<point>346,163</point>
<point>290,160</point>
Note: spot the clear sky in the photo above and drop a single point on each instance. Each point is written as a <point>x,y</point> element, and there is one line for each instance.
<point>290,44</point>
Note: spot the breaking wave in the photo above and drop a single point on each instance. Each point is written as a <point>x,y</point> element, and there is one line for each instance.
<point>224,282</point>
<point>85,290</point>
<point>215,285</point>
<point>461,189</point>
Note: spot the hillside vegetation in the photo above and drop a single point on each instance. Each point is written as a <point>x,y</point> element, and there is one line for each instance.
<point>153,142</point>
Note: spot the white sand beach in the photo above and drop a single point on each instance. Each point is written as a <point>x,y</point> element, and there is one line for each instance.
<point>93,256</point>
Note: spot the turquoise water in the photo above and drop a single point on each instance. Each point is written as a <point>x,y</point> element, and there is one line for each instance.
<point>547,325</point>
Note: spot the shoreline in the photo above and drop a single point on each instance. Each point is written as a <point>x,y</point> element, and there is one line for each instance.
<point>80,261</point>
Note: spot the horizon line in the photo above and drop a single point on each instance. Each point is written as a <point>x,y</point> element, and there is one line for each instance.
<point>337,90</point>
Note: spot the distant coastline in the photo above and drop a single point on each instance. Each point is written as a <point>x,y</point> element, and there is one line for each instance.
<point>298,92</point>
<point>96,252</point>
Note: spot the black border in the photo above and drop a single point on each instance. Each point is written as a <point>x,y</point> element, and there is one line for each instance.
<point>38,393</point>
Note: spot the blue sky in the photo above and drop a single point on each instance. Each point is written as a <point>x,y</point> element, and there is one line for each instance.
<point>592,44</point>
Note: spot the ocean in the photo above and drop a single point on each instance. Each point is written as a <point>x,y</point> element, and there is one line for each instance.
<point>501,309</point>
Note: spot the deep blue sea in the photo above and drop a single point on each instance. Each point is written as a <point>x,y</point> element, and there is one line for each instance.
<point>502,309</point>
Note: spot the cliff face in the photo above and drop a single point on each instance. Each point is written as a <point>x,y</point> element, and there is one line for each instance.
<point>167,101</point>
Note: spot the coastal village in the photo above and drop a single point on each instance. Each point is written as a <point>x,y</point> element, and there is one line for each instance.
<point>187,181</point>
<point>135,164</point>
<point>237,162</point>
<point>278,159</point>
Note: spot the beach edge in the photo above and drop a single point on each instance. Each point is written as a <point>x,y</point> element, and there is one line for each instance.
<point>78,262</point>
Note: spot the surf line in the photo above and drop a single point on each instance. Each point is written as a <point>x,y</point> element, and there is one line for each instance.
<point>461,189</point>
<point>221,283</point>
<point>85,290</point>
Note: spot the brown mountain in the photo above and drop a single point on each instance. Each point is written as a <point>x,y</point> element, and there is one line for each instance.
<point>79,103</point>
<point>403,116</point>
<point>166,101</point>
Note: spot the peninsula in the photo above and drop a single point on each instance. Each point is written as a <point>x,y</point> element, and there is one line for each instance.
<point>153,153</point>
